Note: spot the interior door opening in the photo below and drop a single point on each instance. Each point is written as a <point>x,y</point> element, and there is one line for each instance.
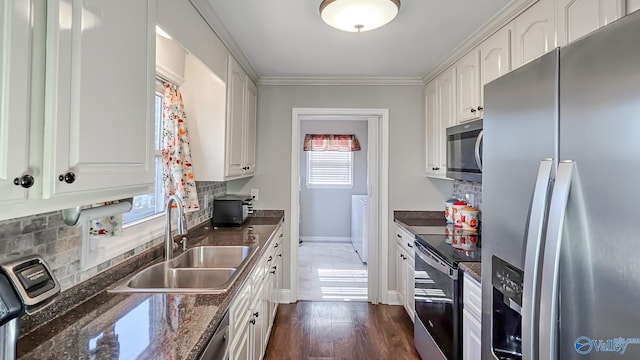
<point>333,248</point>
<point>375,273</point>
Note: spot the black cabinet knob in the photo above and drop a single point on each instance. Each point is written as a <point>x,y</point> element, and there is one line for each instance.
<point>480,108</point>
<point>276,245</point>
<point>436,168</point>
<point>252,321</point>
<point>270,258</point>
<point>272,272</point>
<point>409,245</point>
<point>256,314</point>
<point>473,110</point>
<point>26,181</point>
<point>69,177</point>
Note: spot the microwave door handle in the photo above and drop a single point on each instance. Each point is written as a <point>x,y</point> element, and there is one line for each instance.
<point>548,330</point>
<point>533,243</point>
<point>435,263</point>
<point>478,142</point>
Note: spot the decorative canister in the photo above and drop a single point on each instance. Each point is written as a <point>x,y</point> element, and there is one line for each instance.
<point>469,218</point>
<point>448,210</point>
<point>458,205</point>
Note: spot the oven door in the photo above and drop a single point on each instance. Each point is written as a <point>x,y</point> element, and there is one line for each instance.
<point>437,301</point>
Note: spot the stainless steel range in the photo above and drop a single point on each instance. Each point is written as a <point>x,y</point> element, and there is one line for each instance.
<point>438,293</point>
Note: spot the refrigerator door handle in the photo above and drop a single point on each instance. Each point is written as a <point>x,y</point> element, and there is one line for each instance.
<point>532,258</point>
<point>548,330</point>
<point>478,142</point>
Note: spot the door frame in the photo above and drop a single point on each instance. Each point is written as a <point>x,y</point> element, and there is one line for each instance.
<point>377,187</point>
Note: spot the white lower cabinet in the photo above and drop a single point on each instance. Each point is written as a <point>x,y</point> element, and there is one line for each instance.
<point>405,270</point>
<point>471,336</point>
<point>471,319</point>
<point>253,309</point>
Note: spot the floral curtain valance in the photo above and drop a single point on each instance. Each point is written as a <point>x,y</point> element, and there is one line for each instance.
<point>176,151</point>
<point>331,142</point>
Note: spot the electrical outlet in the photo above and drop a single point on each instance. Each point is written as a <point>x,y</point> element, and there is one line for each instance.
<point>254,195</point>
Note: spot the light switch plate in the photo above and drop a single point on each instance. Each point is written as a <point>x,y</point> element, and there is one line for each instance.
<point>254,195</point>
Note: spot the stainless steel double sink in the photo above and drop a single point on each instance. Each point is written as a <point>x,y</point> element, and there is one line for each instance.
<point>202,270</point>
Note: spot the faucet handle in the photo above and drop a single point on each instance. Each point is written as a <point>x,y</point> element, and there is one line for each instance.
<point>183,242</point>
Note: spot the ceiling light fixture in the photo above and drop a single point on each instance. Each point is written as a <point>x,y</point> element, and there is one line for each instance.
<point>358,15</point>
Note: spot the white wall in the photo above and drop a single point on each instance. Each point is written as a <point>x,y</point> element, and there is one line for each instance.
<point>409,189</point>
<point>327,212</point>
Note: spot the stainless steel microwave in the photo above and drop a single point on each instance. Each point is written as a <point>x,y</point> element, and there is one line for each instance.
<point>464,151</point>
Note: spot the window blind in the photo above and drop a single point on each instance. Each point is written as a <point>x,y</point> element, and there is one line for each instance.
<point>331,168</point>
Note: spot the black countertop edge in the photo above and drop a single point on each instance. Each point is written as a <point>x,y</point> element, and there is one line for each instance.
<point>87,290</point>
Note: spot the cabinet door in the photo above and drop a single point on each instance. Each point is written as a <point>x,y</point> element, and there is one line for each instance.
<point>446,90</point>
<point>410,278</point>
<point>534,33</point>
<point>577,18</point>
<point>99,96</point>
<point>236,84</point>
<point>495,59</point>
<point>468,87</point>
<point>400,278</point>
<point>250,127</point>
<point>471,336</point>
<point>431,123</point>
<point>15,67</point>
<point>241,348</point>
<point>632,5</point>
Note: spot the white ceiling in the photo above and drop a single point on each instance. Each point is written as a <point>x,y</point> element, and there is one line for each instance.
<point>287,38</point>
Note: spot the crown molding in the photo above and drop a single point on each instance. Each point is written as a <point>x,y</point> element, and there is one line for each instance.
<point>353,81</point>
<point>502,18</point>
<point>211,18</point>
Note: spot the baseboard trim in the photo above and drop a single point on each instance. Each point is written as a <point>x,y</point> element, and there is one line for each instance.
<point>392,298</point>
<point>285,296</point>
<point>336,239</point>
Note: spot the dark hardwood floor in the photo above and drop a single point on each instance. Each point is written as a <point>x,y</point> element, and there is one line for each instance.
<point>340,330</point>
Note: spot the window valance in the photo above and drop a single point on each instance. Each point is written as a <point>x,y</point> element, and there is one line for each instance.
<point>331,142</point>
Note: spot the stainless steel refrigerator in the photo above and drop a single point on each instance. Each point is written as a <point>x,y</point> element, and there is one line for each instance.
<point>561,203</point>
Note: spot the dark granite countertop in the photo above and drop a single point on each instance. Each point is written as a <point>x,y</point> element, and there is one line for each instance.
<point>145,326</point>
<point>473,269</point>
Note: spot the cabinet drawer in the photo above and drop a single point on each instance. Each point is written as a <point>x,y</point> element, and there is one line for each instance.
<point>405,239</point>
<point>472,296</point>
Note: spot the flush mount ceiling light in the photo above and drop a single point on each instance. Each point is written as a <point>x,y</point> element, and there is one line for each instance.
<point>358,15</point>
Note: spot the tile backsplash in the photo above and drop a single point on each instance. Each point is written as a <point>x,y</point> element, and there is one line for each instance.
<point>463,188</point>
<point>59,244</point>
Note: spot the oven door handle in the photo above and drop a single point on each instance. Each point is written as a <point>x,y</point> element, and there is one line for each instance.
<point>431,260</point>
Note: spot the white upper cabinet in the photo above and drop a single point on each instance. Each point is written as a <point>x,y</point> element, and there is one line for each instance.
<point>15,67</point>
<point>242,98</point>
<point>468,87</point>
<point>446,90</point>
<point>533,33</point>
<point>251,110</point>
<point>99,96</point>
<point>577,18</point>
<point>222,121</point>
<point>491,59</point>
<point>431,126</point>
<point>237,82</point>
<point>632,5</point>
<point>76,103</point>
<point>440,99</point>
<point>495,60</point>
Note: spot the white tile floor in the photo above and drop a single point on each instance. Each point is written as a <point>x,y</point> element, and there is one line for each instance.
<point>330,272</point>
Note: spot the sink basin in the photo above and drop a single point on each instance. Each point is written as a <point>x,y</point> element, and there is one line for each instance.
<point>201,270</point>
<point>212,257</point>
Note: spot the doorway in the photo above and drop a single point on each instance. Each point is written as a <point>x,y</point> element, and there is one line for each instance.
<point>332,252</point>
<point>375,190</point>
